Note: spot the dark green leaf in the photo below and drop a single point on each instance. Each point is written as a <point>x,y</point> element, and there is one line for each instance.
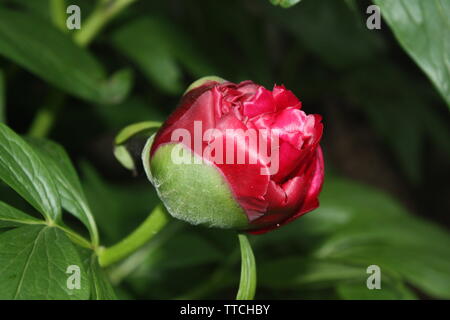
<point>24,171</point>
<point>328,29</point>
<point>247,284</point>
<point>11,217</point>
<point>160,51</point>
<point>298,272</point>
<point>2,97</point>
<point>388,291</point>
<point>374,229</point>
<point>423,28</point>
<point>39,47</point>
<point>69,186</point>
<point>33,265</point>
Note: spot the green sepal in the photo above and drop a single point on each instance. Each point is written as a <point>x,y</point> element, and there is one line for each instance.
<point>195,193</point>
<point>202,81</point>
<point>126,135</point>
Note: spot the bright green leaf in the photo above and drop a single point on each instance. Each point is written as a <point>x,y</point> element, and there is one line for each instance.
<point>423,28</point>
<point>24,171</point>
<point>33,265</point>
<point>69,186</point>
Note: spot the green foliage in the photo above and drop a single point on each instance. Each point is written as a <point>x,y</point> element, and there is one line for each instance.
<point>2,96</point>
<point>69,186</point>
<point>35,251</point>
<point>39,47</point>
<point>24,171</point>
<point>321,49</point>
<point>422,28</point>
<point>161,52</point>
<point>32,255</point>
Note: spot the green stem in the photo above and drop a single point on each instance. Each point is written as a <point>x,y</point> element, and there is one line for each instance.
<point>58,14</point>
<point>45,117</point>
<point>247,284</point>
<point>105,11</point>
<point>216,280</point>
<point>135,260</point>
<point>157,219</point>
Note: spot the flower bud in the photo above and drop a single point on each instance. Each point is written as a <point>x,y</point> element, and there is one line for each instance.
<point>237,156</point>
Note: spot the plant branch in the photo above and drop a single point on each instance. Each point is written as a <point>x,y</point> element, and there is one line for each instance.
<point>157,219</point>
<point>58,14</point>
<point>105,11</point>
<point>45,117</point>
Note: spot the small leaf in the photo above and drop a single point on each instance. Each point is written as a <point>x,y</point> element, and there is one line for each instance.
<point>11,217</point>
<point>69,186</point>
<point>284,3</point>
<point>33,265</point>
<point>247,285</point>
<point>116,88</point>
<point>140,129</point>
<point>423,28</point>
<point>24,171</point>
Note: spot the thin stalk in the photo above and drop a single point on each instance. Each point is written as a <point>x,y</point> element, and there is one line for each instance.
<point>58,14</point>
<point>157,219</point>
<point>45,117</point>
<point>105,11</point>
<point>135,260</point>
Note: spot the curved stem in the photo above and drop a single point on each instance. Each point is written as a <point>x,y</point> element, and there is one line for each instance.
<point>215,281</point>
<point>104,12</point>
<point>247,284</point>
<point>135,260</point>
<point>157,219</point>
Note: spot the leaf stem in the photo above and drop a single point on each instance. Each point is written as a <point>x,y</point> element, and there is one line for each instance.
<point>105,11</point>
<point>157,219</point>
<point>58,14</point>
<point>45,117</point>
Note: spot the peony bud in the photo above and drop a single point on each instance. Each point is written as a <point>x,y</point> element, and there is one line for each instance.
<point>237,156</point>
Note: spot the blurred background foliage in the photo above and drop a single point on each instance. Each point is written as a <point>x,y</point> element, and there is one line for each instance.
<point>386,140</point>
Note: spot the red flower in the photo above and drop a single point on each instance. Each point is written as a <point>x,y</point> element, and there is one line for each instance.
<point>283,171</point>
